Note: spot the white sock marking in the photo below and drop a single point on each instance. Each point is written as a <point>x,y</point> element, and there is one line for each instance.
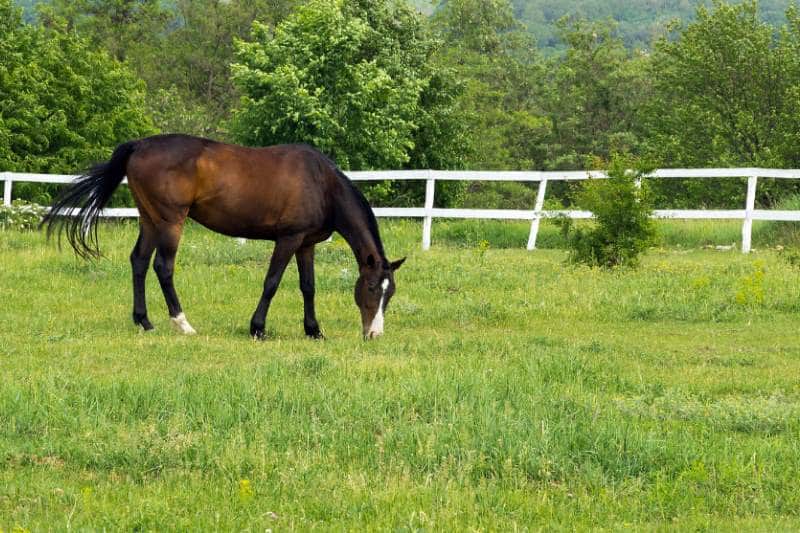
<point>181,324</point>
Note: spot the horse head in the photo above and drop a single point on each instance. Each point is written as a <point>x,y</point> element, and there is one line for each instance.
<point>374,288</point>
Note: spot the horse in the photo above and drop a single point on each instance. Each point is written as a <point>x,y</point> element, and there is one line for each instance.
<point>291,194</point>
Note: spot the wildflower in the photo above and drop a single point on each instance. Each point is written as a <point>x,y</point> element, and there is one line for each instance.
<point>245,490</point>
<point>86,492</point>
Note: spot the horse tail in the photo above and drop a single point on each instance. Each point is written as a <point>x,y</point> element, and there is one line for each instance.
<point>77,207</point>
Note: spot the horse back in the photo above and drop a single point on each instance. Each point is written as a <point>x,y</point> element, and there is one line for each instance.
<point>235,190</point>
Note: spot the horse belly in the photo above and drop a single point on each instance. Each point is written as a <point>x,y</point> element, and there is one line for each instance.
<point>243,221</point>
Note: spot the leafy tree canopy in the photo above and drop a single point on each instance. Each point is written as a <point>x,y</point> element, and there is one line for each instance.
<point>182,49</point>
<point>63,105</point>
<point>503,76</point>
<point>352,78</point>
<point>596,90</point>
<point>726,90</point>
<point>727,93</point>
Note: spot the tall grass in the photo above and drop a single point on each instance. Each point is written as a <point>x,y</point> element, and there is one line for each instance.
<point>510,391</point>
<point>672,233</point>
<point>783,233</point>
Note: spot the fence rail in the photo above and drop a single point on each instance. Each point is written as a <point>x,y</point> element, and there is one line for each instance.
<point>428,212</point>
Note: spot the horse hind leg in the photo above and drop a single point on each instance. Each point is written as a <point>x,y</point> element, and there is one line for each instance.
<point>164,265</point>
<point>140,262</point>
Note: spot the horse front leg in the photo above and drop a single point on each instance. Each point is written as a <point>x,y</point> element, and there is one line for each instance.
<point>305,267</point>
<point>284,250</point>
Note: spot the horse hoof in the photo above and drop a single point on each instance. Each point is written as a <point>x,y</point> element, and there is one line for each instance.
<point>143,322</point>
<point>312,331</point>
<point>257,334</point>
<point>182,325</point>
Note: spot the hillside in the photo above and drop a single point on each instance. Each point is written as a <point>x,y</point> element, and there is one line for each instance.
<point>639,20</point>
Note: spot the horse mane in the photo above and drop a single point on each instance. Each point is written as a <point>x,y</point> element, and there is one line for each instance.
<point>363,204</point>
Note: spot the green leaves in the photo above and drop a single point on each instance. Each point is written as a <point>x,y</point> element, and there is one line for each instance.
<point>726,73</point>
<point>725,94</point>
<point>622,206</point>
<point>502,76</point>
<point>348,78</point>
<point>62,105</point>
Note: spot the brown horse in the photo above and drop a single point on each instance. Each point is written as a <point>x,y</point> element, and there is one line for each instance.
<point>290,194</point>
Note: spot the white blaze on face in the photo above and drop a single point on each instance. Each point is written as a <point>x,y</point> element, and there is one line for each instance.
<point>376,328</point>
<point>181,324</point>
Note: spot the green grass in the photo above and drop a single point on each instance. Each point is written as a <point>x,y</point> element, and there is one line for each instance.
<point>672,233</point>
<point>510,391</point>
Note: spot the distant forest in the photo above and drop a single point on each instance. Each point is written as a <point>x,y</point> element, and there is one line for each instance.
<point>639,21</point>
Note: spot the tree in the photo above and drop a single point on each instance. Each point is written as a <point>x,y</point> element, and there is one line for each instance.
<point>62,105</point>
<point>640,21</point>
<point>503,77</point>
<point>182,49</point>
<point>122,27</point>
<point>597,89</point>
<point>726,94</point>
<point>622,228</point>
<point>355,79</point>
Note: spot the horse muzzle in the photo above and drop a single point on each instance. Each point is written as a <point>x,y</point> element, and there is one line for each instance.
<point>372,334</point>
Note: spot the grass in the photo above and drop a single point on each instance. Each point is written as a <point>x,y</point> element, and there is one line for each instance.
<point>672,233</point>
<point>509,392</point>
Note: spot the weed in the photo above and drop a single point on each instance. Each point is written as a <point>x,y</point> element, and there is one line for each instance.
<point>750,292</point>
<point>21,216</point>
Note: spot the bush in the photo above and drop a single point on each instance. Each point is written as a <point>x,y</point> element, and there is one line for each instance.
<point>622,206</point>
<point>21,216</point>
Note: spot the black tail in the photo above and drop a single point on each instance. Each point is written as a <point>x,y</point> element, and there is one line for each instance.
<point>88,195</point>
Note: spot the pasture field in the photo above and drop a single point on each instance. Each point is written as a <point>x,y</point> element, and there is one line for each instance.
<point>510,392</point>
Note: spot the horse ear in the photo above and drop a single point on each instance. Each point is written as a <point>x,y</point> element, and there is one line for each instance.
<point>397,264</point>
<point>371,261</point>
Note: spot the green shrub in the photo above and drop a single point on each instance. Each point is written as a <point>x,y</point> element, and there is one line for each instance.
<point>20,215</point>
<point>622,227</point>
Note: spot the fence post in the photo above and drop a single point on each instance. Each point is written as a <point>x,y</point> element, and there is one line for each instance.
<point>430,187</point>
<point>747,226</point>
<point>6,189</point>
<point>537,217</point>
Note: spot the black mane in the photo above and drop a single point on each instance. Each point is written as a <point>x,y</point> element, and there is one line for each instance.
<point>369,215</point>
<point>372,222</point>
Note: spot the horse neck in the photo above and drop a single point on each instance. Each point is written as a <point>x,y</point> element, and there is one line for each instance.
<point>354,221</point>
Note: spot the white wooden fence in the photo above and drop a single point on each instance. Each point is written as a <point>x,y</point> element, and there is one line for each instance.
<point>534,215</point>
